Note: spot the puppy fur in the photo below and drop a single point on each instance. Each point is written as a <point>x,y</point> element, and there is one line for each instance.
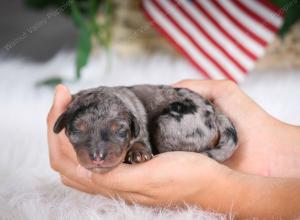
<point>110,125</point>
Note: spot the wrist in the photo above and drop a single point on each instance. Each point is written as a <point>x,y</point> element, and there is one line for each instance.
<point>284,161</point>
<point>251,196</point>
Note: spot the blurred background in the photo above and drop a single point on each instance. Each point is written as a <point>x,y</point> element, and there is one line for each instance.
<point>17,16</point>
<point>38,29</point>
<point>88,43</point>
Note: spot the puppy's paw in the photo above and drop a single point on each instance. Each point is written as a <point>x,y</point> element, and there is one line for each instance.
<point>138,153</point>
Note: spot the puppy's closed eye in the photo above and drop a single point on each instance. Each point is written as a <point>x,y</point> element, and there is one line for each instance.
<point>80,125</point>
<point>119,129</point>
<point>122,132</point>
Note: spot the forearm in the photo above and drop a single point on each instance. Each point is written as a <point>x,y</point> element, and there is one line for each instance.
<point>265,197</point>
<point>286,152</point>
<point>253,196</point>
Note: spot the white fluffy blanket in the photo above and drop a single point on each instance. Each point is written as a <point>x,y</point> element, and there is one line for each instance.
<point>29,189</point>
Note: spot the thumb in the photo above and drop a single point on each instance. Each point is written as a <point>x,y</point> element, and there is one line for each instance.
<point>214,90</point>
<point>62,98</point>
<point>203,87</point>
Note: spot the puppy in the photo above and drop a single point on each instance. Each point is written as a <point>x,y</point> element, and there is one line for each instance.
<point>111,125</point>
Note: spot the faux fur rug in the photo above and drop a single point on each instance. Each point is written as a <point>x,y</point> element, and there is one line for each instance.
<point>29,189</point>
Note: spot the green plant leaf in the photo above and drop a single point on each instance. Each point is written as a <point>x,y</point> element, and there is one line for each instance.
<point>52,82</point>
<point>108,16</point>
<point>84,15</point>
<point>83,49</point>
<point>37,3</point>
<point>291,9</point>
<point>76,15</point>
<point>93,6</point>
<point>292,15</point>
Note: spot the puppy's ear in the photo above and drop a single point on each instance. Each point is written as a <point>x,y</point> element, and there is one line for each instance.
<point>134,125</point>
<point>60,123</point>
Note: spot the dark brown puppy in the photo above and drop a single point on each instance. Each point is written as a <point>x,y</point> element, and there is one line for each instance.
<point>110,125</point>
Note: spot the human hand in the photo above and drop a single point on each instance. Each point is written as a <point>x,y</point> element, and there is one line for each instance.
<point>168,179</point>
<point>176,178</point>
<point>267,146</point>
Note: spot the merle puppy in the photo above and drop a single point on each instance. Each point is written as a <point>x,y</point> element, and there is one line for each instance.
<point>110,125</point>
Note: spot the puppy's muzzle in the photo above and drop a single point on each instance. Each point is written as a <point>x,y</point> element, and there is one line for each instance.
<point>101,160</point>
<point>98,158</point>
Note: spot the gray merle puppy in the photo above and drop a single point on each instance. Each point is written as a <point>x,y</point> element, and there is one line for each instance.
<point>110,125</point>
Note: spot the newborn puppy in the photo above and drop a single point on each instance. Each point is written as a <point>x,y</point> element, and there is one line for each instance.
<point>110,125</point>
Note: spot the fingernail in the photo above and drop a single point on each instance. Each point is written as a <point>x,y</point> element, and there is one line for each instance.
<point>84,173</point>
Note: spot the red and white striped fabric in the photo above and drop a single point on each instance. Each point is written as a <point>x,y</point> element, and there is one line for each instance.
<point>222,38</point>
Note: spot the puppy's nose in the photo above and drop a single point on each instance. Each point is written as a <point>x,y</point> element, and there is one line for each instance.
<point>98,157</point>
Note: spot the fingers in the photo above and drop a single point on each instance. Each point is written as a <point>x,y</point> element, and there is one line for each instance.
<point>233,102</point>
<point>61,100</point>
<point>129,197</point>
<point>58,143</point>
<point>87,188</point>
<point>74,175</point>
<point>92,189</point>
<point>70,183</point>
<point>124,178</point>
<point>121,179</point>
<point>210,89</point>
<point>225,94</point>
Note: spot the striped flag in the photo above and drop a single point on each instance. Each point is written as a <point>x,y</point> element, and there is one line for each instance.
<point>222,38</point>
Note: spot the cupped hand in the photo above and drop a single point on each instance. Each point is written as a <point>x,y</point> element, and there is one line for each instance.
<point>267,146</point>
<point>175,178</point>
<point>171,178</point>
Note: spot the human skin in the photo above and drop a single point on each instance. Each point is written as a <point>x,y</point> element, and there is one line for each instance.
<point>267,147</point>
